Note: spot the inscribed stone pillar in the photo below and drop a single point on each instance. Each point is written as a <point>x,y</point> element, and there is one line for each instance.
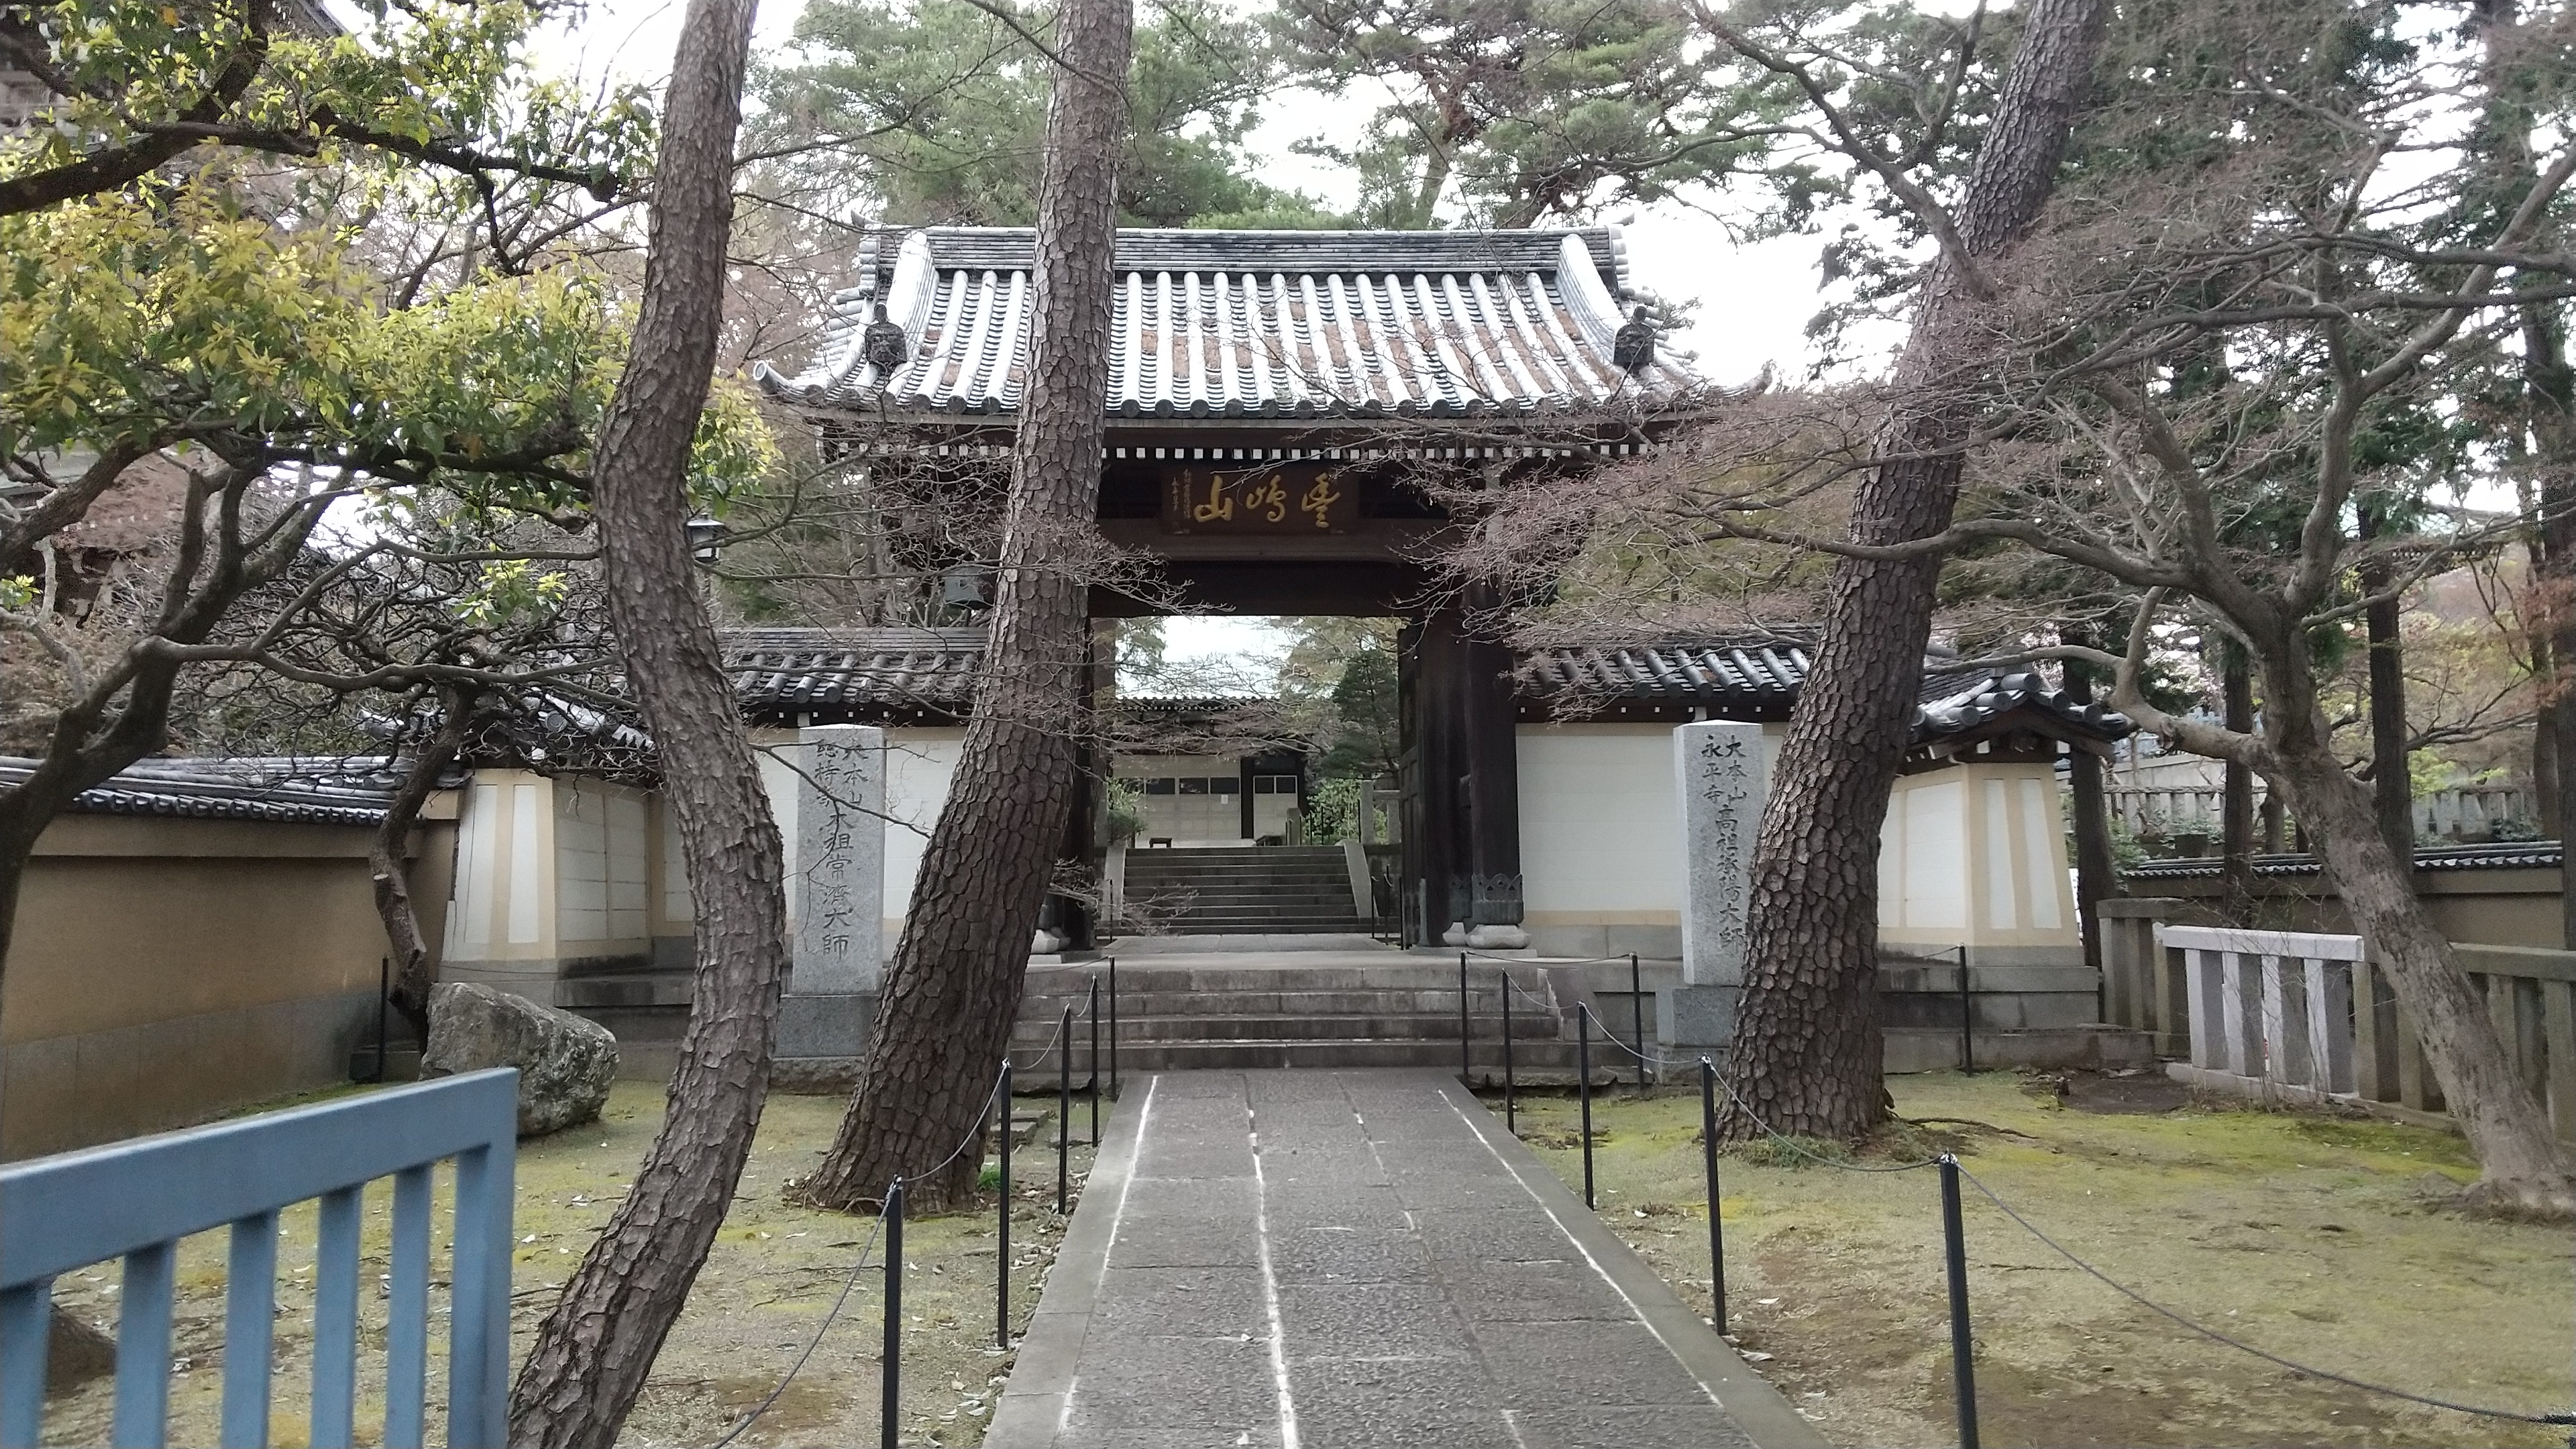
<point>838,896</point>
<point>1724,773</point>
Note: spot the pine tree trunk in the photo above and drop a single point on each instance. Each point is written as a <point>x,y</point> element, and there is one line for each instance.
<point>594,1349</point>
<point>2096,873</point>
<point>2392,779</point>
<point>2236,787</point>
<point>2549,392</point>
<point>953,988</point>
<point>1807,1052</point>
<point>2524,1171</point>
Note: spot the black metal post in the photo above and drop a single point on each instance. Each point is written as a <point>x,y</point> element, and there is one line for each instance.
<point>893,1367</point>
<point>1637,1019</point>
<point>1583,1086</point>
<point>1063,1105</point>
<point>1708,1158</point>
<point>384,996</point>
<point>1963,1362</point>
<point>1967,1018</point>
<point>1091,1088</point>
<point>1113,1026</point>
<point>1466,1072</point>
<point>1511,1107</point>
<point>1002,1248</point>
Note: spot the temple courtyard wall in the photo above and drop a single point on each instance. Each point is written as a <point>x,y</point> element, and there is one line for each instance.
<point>165,969</point>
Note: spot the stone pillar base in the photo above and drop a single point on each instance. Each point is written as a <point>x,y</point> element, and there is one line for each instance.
<point>821,1041</point>
<point>1497,938</point>
<point>1697,1016</point>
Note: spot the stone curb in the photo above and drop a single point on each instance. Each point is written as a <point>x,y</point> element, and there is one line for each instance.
<point>1050,1349</point>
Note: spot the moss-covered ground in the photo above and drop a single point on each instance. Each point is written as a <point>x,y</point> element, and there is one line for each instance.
<point>2321,1238</point>
<point>766,1289</point>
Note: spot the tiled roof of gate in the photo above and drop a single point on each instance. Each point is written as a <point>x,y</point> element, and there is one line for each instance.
<point>1956,703</point>
<point>354,791</point>
<point>913,670</point>
<point>1753,673</point>
<point>793,670</point>
<point>1228,324</point>
<point>1760,678</point>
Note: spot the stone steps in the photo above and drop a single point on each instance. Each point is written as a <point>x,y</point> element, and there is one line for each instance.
<point>1533,1064</point>
<point>1036,1032</point>
<point>1260,890</point>
<point>1172,1016</point>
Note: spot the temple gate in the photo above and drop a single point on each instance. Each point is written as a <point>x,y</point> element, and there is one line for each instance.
<point>1297,421</point>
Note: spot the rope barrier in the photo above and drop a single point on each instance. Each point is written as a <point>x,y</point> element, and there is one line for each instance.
<point>1057,1036</point>
<point>1537,960</point>
<point>2205,1331</point>
<point>974,1136</point>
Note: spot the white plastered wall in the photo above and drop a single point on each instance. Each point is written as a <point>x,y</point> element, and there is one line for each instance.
<point>1975,855</point>
<point>549,872</point>
<point>920,763</point>
<point>1600,839</point>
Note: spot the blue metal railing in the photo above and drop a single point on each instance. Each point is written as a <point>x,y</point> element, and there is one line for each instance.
<point>135,1200</point>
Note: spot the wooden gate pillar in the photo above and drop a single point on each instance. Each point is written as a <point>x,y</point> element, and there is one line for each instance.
<point>1466,845</point>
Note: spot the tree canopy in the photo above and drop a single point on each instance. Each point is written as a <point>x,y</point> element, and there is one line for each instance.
<point>928,112</point>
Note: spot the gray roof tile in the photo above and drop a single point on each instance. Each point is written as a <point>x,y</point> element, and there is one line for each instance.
<point>355,791</point>
<point>1215,324</point>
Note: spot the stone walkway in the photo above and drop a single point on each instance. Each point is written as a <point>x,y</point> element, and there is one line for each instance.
<point>1320,1259</point>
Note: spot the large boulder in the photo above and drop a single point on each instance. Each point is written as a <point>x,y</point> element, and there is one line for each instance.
<point>75,1352</point>
<point>565,1062</point>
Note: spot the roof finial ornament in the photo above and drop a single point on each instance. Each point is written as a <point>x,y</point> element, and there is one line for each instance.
<point>885,345</point>
<point>1632,349</point>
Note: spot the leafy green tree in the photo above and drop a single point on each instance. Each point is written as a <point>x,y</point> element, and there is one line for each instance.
<point>930,110</point>
<point>166,326</point>
<point>280,272</point>
<point>1509,112</point>
<point>135,85</point>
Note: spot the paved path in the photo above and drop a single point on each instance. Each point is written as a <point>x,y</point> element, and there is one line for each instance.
<point>1319,1259</point>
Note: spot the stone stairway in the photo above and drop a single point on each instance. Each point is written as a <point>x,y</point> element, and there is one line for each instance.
<point>645,1010</point>
<point>1243,890</point>
<point>1174,1016</point>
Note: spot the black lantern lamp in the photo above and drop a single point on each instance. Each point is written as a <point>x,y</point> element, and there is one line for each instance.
<point>969,588</point>
<point>703,535</point>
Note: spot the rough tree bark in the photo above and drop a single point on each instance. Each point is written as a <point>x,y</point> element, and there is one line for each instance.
<point>2236,786</point>
<point>2392,780</point>
<point>2096,872</point>
<point>2522,1169</point>
<point>386,868</point>
<point>953,988</point>
<point>594,1349</point>
<point>1807,1051</point>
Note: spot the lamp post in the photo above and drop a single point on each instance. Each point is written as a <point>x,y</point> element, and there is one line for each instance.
<point>705,535</point>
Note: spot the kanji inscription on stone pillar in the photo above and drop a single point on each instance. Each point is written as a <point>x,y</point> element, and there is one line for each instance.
<point>839,891</point>
<point>1725,771</point>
